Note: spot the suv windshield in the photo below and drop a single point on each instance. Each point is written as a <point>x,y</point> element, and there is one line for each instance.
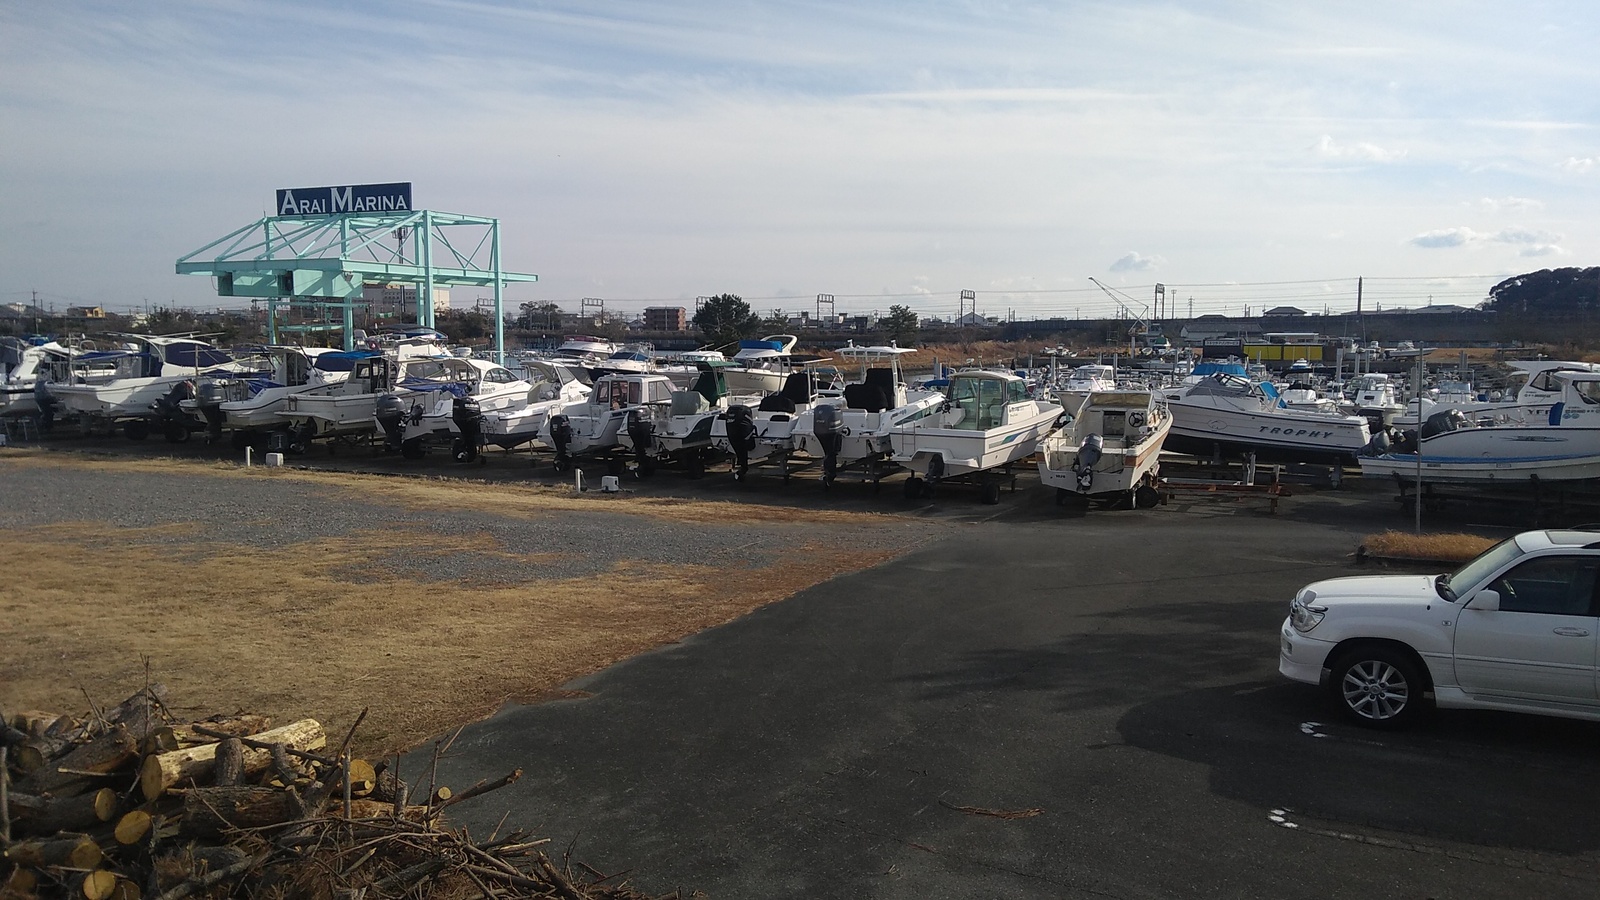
<point>1474,572</point>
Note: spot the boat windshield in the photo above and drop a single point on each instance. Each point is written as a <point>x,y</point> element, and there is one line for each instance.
<point>1588,391</point>
<point>1473,573</point>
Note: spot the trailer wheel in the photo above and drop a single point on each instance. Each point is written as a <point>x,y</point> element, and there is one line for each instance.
<point>989,493</point>
<point>1146,497</point>
<point>136,429</point>
<point>913,487</point>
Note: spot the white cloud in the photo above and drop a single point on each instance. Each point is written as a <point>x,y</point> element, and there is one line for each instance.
<point>1579,166</point>
<point>1137,262</point>
<point>1359,152</point>
<point>1543,250</point>
<point>1492,204</point>
<point>1519,235</point>
<point>1445,237</point>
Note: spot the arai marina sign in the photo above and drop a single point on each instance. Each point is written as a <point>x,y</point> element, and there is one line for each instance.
<point>349,198</point>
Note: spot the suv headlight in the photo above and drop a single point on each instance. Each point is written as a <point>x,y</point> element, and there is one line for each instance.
<point>1304,615</point>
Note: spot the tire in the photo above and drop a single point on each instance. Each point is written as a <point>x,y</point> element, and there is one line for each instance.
<point>412,449</point>
<point>989,493</point>
<point>136,429</point>
<point>1377,686</point>
<point>176,433</point>
<point>913,487</point>
<point>697,464</point>
<point>1146,497</point>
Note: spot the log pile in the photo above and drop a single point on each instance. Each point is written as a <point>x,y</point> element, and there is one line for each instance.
<point>127,803</point>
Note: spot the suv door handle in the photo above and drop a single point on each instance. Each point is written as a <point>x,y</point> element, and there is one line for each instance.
<point>1571,631</point>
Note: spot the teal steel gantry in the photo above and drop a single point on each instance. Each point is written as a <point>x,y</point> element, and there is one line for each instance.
<point>323,262</point>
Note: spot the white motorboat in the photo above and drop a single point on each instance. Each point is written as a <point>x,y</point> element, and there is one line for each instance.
<point>1561,445</point>
<point>582,349</point>
<point>1375,396</point>
<point>753,434</point>
<point>1227,413</point>
<point>760,366</point>
<point>987,421</point>
<point>1301,395</point>
<point>141,384</point>
<point>340,409</point>
<point>680,430</point>
<point>1531,390</point>
<point>853,428</point>
<point>627,359</point>
<point>252,403</point>
<point>590,426</point>
<point>1083,381</point>
<point>447,396</point>
<point>552,386</point>
<point>24,364</point>
<point>1111,450</point>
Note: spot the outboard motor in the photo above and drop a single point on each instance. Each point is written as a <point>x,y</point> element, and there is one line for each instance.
<point>47,405</point>
<point>208,395</point>
<point>468,416</point>
<point>174,421</point>
<point>1441,422</point>
<point>827,423</point>
<point>1094,447</point>
<point>642,431</point>
<point>561,437</point>
<point>1380,444</point>
<point>742,437</point>
<point>391,414</point>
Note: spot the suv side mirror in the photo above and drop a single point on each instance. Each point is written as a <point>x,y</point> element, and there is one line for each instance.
<point>1486,600</point>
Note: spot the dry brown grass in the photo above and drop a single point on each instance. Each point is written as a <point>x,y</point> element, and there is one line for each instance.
<point>1430,547</point>
<point>321,629</point>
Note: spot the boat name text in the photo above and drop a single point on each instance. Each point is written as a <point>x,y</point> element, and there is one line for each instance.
<point>348,198</point>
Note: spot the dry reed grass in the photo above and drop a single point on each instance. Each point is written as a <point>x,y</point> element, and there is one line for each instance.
<point>1428,547</point>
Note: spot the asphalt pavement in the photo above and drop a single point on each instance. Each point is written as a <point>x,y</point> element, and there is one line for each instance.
<point>1040,706</point>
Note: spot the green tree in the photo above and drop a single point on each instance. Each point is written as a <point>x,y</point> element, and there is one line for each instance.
<point>901,323</point>
<point>464,325</point>
<point>726,318</point>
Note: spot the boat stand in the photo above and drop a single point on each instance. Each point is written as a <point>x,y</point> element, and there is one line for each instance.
<point>1533,502</point>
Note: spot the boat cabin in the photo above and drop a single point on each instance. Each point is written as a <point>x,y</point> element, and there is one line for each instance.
<point>978,400</point>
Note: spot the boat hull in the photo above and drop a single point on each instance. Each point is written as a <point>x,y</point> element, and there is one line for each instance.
<point>1120,469</point>
<point>1508,454</point>
<point>1273,437</point>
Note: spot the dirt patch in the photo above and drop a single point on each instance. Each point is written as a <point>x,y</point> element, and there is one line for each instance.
<point>321,628</point>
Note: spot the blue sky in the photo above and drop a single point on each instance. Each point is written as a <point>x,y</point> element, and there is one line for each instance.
<point>646,153</point>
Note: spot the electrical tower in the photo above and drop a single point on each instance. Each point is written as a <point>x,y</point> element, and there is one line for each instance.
<point>825,300</point>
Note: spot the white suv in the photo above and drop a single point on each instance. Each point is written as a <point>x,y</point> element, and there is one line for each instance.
<point>1514,629</point>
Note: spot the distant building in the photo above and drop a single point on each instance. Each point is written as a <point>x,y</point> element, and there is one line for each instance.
<point>399,301</point>
<point>86,312</point>
<point>666,318</point>
<point>1284,311</point>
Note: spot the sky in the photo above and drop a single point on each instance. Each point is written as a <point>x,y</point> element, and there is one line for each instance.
<point>1243,154</point>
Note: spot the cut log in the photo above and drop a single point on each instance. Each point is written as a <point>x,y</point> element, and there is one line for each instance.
<point>442,793</point>
<point>389,787</point>
<point>242,725</point>
<point>209,811</point>
<point>105,754</point>
<point>34,721</point>
<point>194,765</point>
<point>96,885</point>
<point>21,882</point>
<point>127,890</point>
<point>132,827</point>
<point>72,852</point>
<point>142,712</point>
<point>32,754</point>
<point>47,815</point>
<point>229,763</point>
<point>362,778</point>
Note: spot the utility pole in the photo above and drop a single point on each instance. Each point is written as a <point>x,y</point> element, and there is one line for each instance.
<point>1361,319</point>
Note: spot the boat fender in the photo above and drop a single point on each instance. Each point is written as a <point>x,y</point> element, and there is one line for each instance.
<point>1555,413</point>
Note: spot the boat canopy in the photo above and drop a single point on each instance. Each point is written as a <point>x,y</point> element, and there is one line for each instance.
<point>1212,368</point>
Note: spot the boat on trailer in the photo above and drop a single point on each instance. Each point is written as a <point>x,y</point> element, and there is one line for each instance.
<point>852,429</point>
<point>1562,444</point>
<point>1110,451</point>
<point>987,421</point>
